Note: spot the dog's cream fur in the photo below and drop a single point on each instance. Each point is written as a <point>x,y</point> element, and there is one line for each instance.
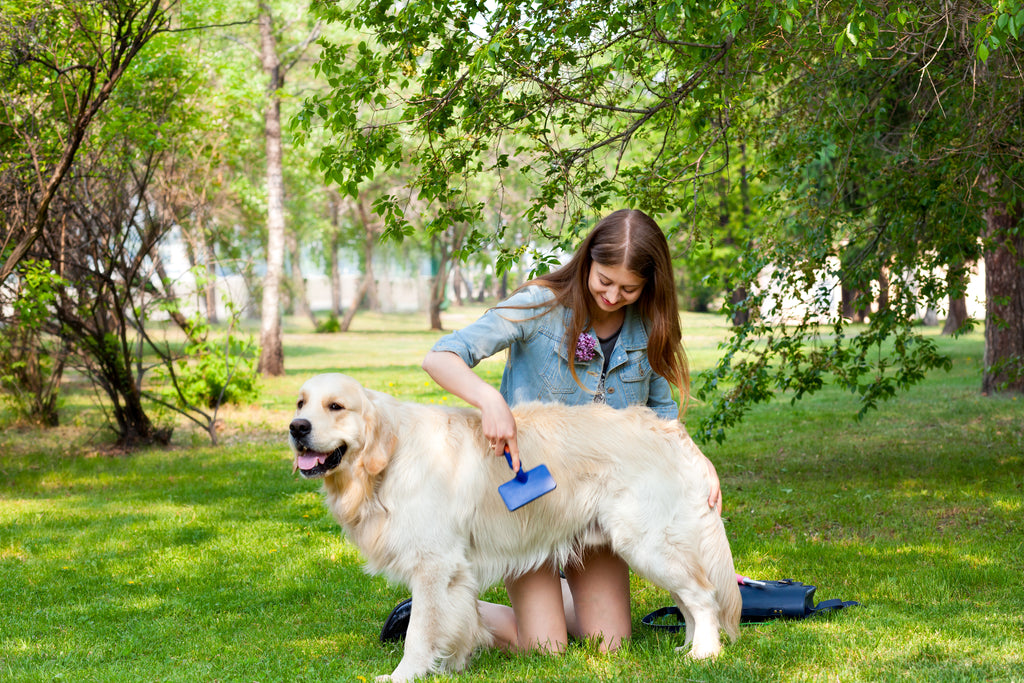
<point>415,489</point>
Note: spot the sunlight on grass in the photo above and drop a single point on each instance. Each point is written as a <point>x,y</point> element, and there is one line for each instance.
<point>202,563</point>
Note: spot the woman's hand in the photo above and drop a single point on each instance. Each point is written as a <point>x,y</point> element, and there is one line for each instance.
<point>499,427</point>
<point>715,499</point>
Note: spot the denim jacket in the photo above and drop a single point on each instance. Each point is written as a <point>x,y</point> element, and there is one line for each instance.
<point>537,368</point>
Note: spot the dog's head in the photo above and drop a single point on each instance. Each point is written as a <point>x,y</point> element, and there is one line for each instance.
<point>334,424</point>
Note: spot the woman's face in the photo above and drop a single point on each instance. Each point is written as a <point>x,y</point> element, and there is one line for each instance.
<point>614,287</point>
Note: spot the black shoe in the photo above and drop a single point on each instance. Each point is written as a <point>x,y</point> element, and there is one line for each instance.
<point>397,622</point>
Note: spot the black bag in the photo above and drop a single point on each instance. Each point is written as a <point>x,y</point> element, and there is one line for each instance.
<point>787,599</point>
<point>762,600</point>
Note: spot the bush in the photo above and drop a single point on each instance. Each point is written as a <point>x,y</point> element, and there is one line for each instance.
<point>215,373</point>
<point>211,371</point>
<point>32,360</point>
<point>332,324</point>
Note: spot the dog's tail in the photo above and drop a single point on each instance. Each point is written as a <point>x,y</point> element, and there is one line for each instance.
<point>723,575</point>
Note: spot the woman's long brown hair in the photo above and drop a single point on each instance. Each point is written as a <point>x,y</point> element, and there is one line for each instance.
<point>632,239</point>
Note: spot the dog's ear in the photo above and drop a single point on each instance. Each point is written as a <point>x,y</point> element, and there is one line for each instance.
<point>379,441</point>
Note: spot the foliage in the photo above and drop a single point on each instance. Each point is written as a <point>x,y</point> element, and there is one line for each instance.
<point>133,175</point>
<point>211,372</point>
<point>60,62</point>
<point>329,326</point>
<point>77,162</point>
<point>207,373</point>
<point>559,94</point>
<point>881,192</point>
<point>31,361</point>
<point>830,126</point>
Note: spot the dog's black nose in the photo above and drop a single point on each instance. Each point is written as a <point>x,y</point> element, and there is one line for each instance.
<point>300,428</point>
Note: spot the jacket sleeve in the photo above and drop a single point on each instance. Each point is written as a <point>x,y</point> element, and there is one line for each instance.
<point>513,320</point>
<point>659,398</point>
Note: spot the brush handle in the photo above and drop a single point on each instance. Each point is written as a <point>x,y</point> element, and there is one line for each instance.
<point>746,580</point>
<point>521,474</point>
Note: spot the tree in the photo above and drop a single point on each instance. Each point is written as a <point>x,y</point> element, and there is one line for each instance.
<point>844,112</point>
<point>367,288</point>
<point>932,158</point>
<point>271,350</point>
<point>441,89</point>
<point>105,247</point>
<point>62,60</point>
<point>103,221</point>
<point>61,64</point>
<point>1004,297</point>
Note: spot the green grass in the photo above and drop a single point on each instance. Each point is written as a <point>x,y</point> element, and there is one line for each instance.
<point>217,564</point>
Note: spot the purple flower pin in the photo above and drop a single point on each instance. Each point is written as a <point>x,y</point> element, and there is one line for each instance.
<point>585,347</point>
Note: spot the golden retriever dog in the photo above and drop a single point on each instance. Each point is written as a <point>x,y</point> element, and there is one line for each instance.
<point>416,489</point>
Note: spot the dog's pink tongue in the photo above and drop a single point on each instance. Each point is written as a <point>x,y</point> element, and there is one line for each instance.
<point>308,462</point>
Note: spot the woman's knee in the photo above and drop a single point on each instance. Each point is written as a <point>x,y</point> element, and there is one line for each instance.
<point>537,601</point>
<point>600,595</point>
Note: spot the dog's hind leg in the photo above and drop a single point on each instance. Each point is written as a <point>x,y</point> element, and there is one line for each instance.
<point>701,617</point>
<point>690,588</point>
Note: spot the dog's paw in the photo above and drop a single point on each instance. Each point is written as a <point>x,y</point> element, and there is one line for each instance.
<point>708,651</point>
<point>400,675</point>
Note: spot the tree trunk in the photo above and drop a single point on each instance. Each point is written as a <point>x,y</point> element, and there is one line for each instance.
<point>957,315</point>
<point>210,288</point>
<point>271,361</point>
<point>335,204</point>
<point>957,302</point>
<point>369,242</point>
<point>114,375</point>
<point>846,307</point>
<point>741,311</point>
<point>449,242</point>
<point>301,296</point>
<point>437,289</point>
<point>336,307</point>
<point>883,290</point>
<point>439,282</point>
<point>457,284</point>
<point>1004,302</point>
<point>364,287</point>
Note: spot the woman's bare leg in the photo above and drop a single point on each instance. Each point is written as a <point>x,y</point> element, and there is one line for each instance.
<point>599,585</point>
<point>536,620</point>
<point>594,601</point>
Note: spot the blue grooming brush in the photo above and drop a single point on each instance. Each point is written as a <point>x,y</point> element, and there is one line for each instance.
<point>526,486</point>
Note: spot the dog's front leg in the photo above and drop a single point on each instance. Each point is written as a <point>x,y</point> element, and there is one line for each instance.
<point>444,626</point>
<point>421,647</point>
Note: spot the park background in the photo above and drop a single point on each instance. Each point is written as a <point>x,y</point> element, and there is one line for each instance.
<point>204,202</point>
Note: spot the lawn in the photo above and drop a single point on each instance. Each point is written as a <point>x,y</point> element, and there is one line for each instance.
<point>218,564</point>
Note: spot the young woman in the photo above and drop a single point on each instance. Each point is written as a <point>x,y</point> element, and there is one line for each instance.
<point>604,327</point>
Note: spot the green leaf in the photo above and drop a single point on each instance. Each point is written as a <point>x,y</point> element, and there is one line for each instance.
<point>851,35</point>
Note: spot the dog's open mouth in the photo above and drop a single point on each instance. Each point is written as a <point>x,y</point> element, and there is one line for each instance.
<point>316,464</point>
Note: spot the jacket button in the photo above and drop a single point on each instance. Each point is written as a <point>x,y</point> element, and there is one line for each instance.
<point>611,390</point>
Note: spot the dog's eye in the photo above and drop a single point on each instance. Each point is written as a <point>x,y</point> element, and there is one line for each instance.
<point>299,404</point>
<point>336,406</point>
